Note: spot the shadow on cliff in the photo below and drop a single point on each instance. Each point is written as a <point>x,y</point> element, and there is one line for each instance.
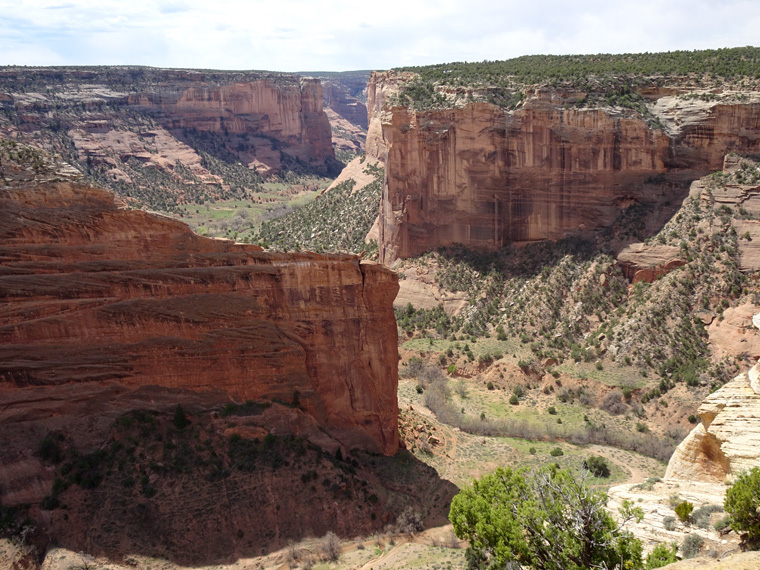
<point>209,487</point>
<point>635,224</point>
<point>244,148</point>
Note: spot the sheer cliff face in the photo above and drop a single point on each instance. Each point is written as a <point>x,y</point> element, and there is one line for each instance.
<point>288,111</point>
<point>94,295</point>
<point>482,176</point>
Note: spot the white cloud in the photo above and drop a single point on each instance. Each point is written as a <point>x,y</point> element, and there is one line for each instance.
<point>298,35</point>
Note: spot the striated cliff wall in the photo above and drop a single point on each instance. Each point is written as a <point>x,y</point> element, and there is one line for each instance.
<point>94,295</point>
<point>289,111</point>
<point>484,176</point>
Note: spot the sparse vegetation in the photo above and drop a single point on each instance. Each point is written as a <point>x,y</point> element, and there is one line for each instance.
<point>691,545</point>
<point>337,220</point>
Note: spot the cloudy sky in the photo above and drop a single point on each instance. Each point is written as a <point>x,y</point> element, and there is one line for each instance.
<point>339,35</point>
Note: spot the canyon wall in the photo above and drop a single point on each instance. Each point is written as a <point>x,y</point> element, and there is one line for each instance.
<point>97,300</point>
<point>289,111</point>
<point>484,176</point>
<point>262,120</point>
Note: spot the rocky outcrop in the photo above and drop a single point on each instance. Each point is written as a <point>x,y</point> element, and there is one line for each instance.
<point>734,191</point>
<point>641,262</point>
<point>98,301</point>
<point>727,440</point>
<point>484,176</point>
<point>733,335</point>
<point>382,85</point>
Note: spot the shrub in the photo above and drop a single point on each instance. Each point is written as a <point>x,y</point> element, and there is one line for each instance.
<point>409,521</point>
<point>329,547</point>
<point>701,516</point>
<point>613,403</point>
<point>597,465</point>
<point>693,419</point>
<point>662,555</point>
<point>514,400</point>
<point>642,427</point>
<point>180,419</point>
<point>723,523</point>
<point>742,503</point>
<point>683,511</point>
<point>691,545</point>
<point>532,451</point>
<point>489,385</point>
<point>50,450</point>
<point>556,452</point>
<point>552,410</point>
<point>669,523</point>
<point>536,516</point>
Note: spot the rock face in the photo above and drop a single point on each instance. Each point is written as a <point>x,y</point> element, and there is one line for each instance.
<point>100,297</point>
<point>340,95</point>
<point>484,176</point>
<point>288,111</point>
<point>738,192</point>
<point>727,441</point>
<point>641,262</point>
<point>262,120</point>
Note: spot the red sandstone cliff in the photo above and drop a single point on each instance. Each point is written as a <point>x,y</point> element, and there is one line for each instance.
<point>484,176</point>
<point>290,112</point>
<point>115,300</point>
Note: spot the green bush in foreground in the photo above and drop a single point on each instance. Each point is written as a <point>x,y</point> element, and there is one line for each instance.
<point>548,520</point>
<point>662,555</point>
<point>683,510</point>
<point>742,503</point>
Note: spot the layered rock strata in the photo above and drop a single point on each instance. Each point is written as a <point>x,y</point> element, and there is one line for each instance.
<point>727,439</point>
<point>484,176</point>
<point>261,119</point>
<point>97,296</point>
<point>641,262</point>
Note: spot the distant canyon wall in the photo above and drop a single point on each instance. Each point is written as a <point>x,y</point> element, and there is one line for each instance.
<point>484,176</point>
<point>289,111</point>
<point>260,118</point>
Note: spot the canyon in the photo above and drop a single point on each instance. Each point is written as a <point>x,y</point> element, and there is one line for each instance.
<point>163,137</point>
<point>484,176</point>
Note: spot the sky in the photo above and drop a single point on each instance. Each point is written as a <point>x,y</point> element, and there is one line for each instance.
<point>342,35</point>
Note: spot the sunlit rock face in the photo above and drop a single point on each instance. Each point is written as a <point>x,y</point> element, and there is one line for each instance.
<point>727,440</point>
<point>484,176</point>
<point>95,295</point>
